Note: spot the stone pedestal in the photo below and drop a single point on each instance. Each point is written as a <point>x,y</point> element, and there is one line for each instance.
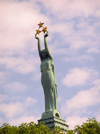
<point>53,119</point>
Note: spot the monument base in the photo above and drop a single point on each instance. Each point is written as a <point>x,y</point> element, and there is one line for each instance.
<point>55,122</point>
<point>50,113</point>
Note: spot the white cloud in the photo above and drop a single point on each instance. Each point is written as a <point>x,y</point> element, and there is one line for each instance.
<point>20,64</point>
<point>83,99</point>
<point>97,82</point>
<point>24,118</point>
<point>93,50</point>
<point>2,97</point>
<point>97,114</point>
<point>15,109</point>
<point>80,58</point>
<point>12,109</point>
<point>18,24</point>
<point>59,99</point>
<point>74,36</point>
<point>19,34</point>
<point>37,75</point>
<point>75,120</point>
<point>1,121</point>
<point>2,77</point>
<point>72,8</point>
<point>15,86</point>
<point>78,76</point>
<point>30,101</point>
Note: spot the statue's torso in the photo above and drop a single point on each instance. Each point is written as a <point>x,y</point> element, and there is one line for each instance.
<point>47,69</point>
<point>47,64</point>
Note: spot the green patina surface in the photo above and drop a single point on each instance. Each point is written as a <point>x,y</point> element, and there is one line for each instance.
<point>55,122</point>
<point>48,78</point>
<point>51,116</point>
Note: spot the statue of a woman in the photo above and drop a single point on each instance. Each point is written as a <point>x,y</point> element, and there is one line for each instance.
<point>48,78</point>
<point>51,117</point>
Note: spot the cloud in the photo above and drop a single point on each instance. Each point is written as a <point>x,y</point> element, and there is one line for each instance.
<point>93,50</point>
<point>74,36</point>
<point>97,82</point>
<point>24,118</point>
<point>1,120</point>
<point>15,86</point>
<point>18,26</point>
<point>20,64</point>
<point>55,50</point>
<point>19,34</point>
<point>72,8</point>
<point>98,116</point>
<point>2,97</point>
<point>18,22</point>
<point>83,99</point>
<point>78,76</point>
<point>80,58</point>
<point>30,101</point>
<point>37,75</point>
<point>2,77</point>
<point>75,120</point>
<point>14,110</point>
<point>59,99</point>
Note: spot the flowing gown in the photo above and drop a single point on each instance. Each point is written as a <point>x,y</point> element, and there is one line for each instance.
<point>49,84</point>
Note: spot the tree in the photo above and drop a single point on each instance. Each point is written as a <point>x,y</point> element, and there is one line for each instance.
<point>42,129</point>
<point>5,129</point>
<point>23,128</point>
<point>90,127</point>
<point>57,130</point>
<point>70,132</point>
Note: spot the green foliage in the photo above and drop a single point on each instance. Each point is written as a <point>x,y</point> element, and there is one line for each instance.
<point>90,127</point>
<point>70,132</point>
<point>42,129</point>
<point>7,129</point>
<point>28,128</point>
<point>57,130</point>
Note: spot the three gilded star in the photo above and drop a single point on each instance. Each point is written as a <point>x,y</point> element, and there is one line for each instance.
<point>40,24</point>
<point>38,31</point>
<point>43,30</point>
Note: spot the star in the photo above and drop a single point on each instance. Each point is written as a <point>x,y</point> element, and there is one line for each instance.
<point>40,24</point>
<point>44,29</point>
<point>38,31</point>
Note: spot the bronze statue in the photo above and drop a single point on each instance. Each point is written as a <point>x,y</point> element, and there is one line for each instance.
<point>48,78</point>
<point>51,117</point>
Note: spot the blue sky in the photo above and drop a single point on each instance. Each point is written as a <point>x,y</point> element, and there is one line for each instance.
<point>74,42</point>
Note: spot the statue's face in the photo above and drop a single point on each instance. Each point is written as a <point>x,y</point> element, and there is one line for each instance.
<point>44,54</point>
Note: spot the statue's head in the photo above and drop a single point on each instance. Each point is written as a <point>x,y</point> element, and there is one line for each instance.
<point>43,54</point>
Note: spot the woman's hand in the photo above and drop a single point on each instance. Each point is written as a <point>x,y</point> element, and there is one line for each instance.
<point>36,36</point>
<point>47,34</point>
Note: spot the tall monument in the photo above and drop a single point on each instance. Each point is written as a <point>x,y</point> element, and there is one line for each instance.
<point>51,117</point>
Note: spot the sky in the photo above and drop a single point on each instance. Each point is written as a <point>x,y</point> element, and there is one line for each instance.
<point>74,42</point>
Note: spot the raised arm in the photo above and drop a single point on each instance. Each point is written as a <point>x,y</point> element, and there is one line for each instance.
<point>46,45</point>
<point>39,43</point>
